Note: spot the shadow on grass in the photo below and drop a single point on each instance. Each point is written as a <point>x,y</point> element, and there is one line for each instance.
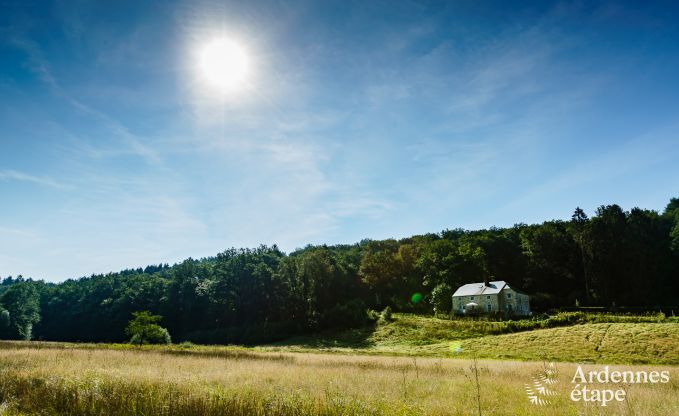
<point>347,338</point>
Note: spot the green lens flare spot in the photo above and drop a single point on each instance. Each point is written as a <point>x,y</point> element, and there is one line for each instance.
<point>416,298</point>
<point>456,347</point>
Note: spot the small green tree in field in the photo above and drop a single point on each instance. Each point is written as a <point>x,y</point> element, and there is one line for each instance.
<point>144,329</point>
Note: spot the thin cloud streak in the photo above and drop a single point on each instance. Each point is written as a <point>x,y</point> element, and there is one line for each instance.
<point>13,175</point>
<point>41,67</point>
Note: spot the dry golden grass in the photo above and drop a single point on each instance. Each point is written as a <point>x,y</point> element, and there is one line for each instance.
<point>94,381</point>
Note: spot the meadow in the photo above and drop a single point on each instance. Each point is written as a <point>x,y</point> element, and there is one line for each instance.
<point>411,365</point>
<point>106,381</point>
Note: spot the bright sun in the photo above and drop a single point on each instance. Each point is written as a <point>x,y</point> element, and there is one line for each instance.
<point>224,64</point>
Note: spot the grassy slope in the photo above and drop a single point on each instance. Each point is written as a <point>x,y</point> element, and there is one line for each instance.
<point>600,343</point>
<point>612,342</point>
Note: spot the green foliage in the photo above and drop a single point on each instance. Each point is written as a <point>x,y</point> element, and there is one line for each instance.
<point>347,315</point>
<point>144,329</point>
<point>674,235</point>
<point>21,302</point>
<point>373,315</point>
<point>4,323</point>
<point>386,314</point>
<point>4,319</point>
<point>442,298</point>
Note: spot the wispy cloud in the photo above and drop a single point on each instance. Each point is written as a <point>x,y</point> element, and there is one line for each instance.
<point>133,144</point>
<point>630,157</point>
<point>13,175</point>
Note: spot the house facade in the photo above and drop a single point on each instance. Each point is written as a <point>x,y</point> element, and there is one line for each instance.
<point>490,298</point>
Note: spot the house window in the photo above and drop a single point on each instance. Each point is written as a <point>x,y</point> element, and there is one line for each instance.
<point>488,307</point>
<point>488,297</point>
<point>471,298</point>
<point>509,295</point>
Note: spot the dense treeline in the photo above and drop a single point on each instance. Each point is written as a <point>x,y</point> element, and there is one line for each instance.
<point>616,258</point>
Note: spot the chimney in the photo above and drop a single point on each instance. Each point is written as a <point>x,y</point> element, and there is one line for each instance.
<point>485,281</point>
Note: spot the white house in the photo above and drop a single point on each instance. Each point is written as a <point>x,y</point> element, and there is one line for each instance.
<point>490,297</point>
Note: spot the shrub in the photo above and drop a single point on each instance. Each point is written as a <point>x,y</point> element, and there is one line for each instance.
<point>155,335</point>
<point>144,329</point>
<point>386,314</point>
<point>373,315</point>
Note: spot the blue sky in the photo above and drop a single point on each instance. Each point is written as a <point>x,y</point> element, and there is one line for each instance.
<point>358,120</point>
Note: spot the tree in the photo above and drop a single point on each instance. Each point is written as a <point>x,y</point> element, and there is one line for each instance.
<point>579,223</point>
<point>672,208</point>
<point>4,322</point>
<point>380,269</point>
<point>21,300</point>
<point>4,318</point>
<point>454,263</point>
<point>608,253</point>
<point>675,235</point>
<point>553,264</point>
<point>144,329</point>
<point>442,298</point>
<point>326,285</point>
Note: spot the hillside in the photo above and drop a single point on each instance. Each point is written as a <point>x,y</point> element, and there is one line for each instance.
<point>628,343</point>
<point>575,338</point>
<point>263,295</point>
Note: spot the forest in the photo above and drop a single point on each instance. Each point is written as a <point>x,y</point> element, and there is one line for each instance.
<point>613,259</point>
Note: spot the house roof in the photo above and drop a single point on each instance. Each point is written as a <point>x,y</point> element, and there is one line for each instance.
<point>473,289</point>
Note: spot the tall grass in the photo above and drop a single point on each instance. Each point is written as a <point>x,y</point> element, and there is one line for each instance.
<point>60,381</point>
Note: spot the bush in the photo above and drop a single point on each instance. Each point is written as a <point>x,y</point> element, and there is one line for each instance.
<point>386,314</point>
<point>144,329</point>
<point>373,315</point>
<point>155,335</point>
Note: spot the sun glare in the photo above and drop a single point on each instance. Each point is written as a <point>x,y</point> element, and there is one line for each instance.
<point>224,64</point>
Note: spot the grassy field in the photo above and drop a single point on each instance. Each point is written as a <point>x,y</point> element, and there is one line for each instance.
<point>613,339</point>
<point>59,380</point>
<point>412,365</point>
